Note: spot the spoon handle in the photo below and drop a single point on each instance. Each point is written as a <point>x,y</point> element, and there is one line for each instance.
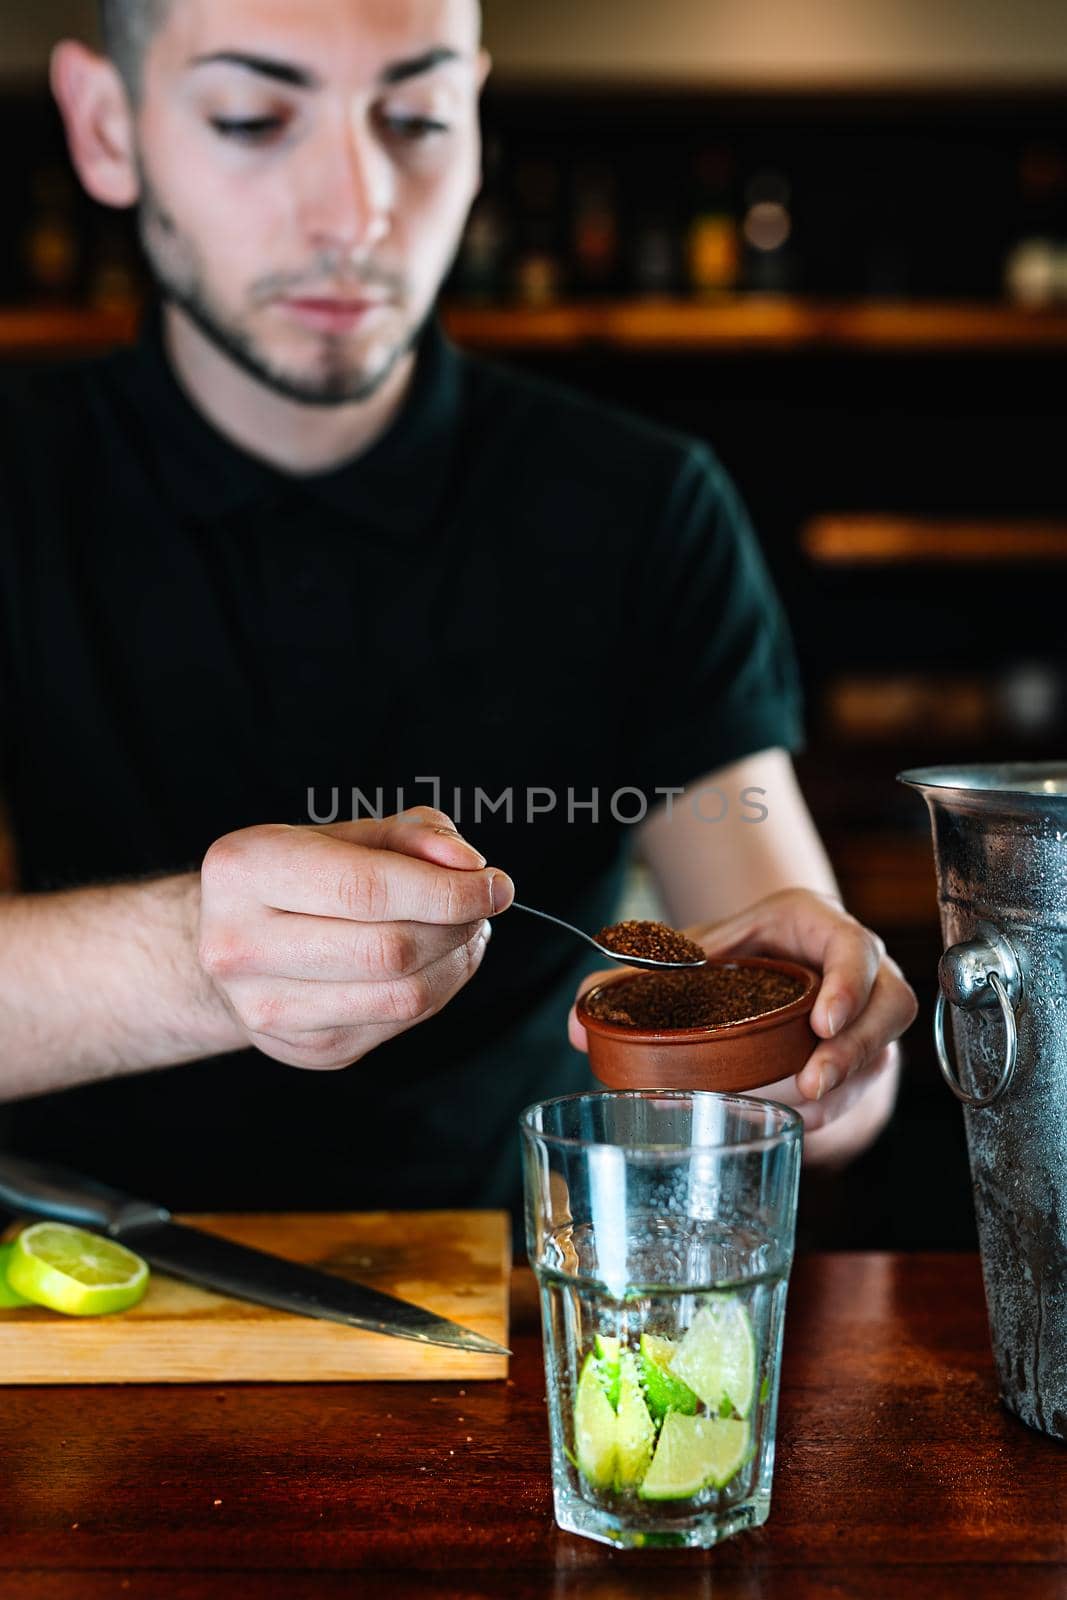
<point>532,910</point>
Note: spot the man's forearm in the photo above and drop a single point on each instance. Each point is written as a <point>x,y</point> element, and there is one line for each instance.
<point>99,983</point>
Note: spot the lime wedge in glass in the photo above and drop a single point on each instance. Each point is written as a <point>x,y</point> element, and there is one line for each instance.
<point>635,1431</point>
<point>663,1391</point>
<point>717,1357</point>
<point>68,1269</point>
<point>606,1351</point>
<point>695,1453</point>
<point>594,1428</point>
<point>8,1296</point>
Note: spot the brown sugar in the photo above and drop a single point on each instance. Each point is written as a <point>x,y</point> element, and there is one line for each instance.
<point>703,998</point>
<point>652,940</point>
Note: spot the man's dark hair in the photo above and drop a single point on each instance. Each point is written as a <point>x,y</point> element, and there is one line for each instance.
<point>127,27</point>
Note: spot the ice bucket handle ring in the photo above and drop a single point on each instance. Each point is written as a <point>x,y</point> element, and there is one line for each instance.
<point>984,971</point>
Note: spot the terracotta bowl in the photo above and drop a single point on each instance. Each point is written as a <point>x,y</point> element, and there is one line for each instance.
<point>729,1058</point>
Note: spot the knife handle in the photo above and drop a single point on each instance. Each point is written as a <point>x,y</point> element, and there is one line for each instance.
<point>62,1196</point>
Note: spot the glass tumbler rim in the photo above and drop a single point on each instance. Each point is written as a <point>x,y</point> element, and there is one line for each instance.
<point>789,1132</point>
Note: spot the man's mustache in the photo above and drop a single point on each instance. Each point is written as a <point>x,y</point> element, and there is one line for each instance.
<point>335,269</point>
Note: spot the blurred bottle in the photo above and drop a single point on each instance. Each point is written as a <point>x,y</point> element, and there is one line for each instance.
<point>480,273</point>
<point>654,266</point>
<point>595,231</point>
<point>713,240</point>
<point>51,248</point>
<point>1035,268</point>
<point>1030,698</point>
<point>1030,273</point>
<point>767,230</point>
<point>538,274</point>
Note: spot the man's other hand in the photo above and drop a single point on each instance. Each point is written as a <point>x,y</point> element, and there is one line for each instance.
<point>863,1006</point>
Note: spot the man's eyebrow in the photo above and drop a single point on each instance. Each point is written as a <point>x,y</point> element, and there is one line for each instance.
<point>265,66</point>
<point>417,65</point>
<point>303,78</point>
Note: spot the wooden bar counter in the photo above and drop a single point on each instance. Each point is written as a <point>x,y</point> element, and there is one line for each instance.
<point>898,1474</point>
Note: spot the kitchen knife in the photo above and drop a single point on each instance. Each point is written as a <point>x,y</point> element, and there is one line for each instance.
<point>233,1269</point>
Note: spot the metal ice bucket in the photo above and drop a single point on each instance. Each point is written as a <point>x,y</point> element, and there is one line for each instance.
<point>1000,842</point>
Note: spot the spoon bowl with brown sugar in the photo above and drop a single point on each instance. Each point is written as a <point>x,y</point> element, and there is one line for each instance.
<point>651,945</point>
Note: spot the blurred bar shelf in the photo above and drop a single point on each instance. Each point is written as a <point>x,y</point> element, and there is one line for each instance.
<point>874,540</point>
<point>760,322</point>
<point>743,322</point>
<point>45,330</point>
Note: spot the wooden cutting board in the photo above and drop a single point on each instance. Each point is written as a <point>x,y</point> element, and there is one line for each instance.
<point>456,1263</point>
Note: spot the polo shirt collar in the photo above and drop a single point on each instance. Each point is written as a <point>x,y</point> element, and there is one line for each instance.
<point>397,487</point>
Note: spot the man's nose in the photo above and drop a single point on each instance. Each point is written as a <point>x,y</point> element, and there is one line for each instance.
<point>352,198</point>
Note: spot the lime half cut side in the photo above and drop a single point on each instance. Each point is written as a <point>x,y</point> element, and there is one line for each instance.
<point>635,1432</point>
<point>717,1357</point>
<point>594,1428</point>
<point>9,1297</point>
<point>71,1270</point>
<point>696,1453</point>
<point>606,1351</point>
<point>663,1391</point>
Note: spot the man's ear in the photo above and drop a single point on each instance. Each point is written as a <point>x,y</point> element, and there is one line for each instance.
<point>99,122</point>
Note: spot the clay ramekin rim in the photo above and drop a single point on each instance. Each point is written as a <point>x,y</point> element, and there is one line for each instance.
<point>705,1033</point>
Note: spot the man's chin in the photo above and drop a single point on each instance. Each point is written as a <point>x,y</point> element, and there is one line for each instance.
<point>313,371</point>
<point>341,385</point>
<point>327,366</point>
<point>322,371</point>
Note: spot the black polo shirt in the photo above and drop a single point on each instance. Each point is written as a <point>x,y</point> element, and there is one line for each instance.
<point>514,593</point>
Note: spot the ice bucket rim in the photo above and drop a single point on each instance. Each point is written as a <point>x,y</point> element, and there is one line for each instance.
<point>1021,785</point>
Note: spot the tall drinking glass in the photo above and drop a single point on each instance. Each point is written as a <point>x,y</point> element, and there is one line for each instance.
<point>661,1227</point>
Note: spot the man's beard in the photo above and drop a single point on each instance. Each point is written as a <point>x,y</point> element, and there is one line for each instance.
<point>178,277</point>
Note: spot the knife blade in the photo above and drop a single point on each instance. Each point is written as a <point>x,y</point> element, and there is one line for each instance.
<point>234,1269</point>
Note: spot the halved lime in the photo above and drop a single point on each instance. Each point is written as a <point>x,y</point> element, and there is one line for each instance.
<point>8,1296</point>
<point>663,1391</point>
<point>717,1357</point>
<point>71,1270</point>
<point>733,1449</point>
<point>594,1428</point>
<point>695,1453</point>
<point>606,1350</point>
<point>635,1431</point>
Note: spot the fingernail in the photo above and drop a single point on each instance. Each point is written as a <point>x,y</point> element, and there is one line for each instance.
<point>835,1011</point>
<point>501,890</point>
<point>487,929</point>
